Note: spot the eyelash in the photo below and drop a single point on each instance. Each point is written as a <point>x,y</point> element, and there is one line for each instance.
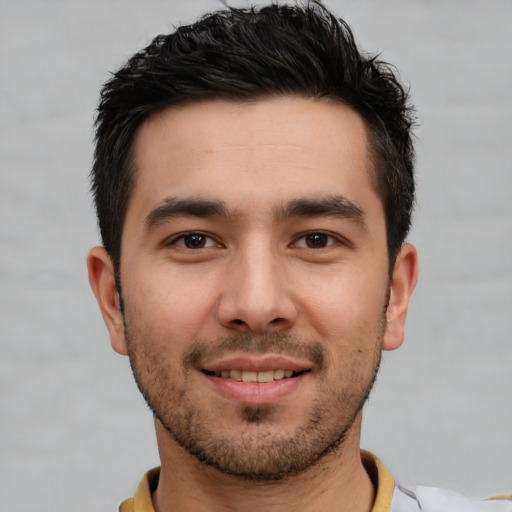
<point>328,237</point>
<point>183,236</point>
<point>209,241</point>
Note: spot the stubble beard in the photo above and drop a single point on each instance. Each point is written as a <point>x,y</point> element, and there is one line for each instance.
<point>260,451</point>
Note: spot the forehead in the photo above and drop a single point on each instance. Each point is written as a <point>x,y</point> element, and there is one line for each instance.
<point>268,152</point>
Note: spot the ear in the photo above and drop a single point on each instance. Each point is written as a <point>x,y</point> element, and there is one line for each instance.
<point>102,281</point>
<point>403,281</point>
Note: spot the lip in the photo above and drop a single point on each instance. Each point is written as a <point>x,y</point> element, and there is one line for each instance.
<point>256,393</point>
<point>257,364</point>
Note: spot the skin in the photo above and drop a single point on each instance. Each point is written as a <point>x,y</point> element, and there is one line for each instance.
<point>260,283</point>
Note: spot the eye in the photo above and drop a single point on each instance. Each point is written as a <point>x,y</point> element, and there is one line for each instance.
<point>194,241</point>
<point>315,240</point>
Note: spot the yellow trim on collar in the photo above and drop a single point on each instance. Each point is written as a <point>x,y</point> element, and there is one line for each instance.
<point>382,480</point>
<point>141,502</point>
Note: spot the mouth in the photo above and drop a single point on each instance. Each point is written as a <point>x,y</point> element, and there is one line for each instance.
<point>253,380</point>
<point>253,376</point>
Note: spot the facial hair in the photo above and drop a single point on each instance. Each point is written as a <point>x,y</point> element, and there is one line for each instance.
<point>259,450</point>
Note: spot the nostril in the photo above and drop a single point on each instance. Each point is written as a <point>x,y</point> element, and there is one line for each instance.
<point>277,320</point>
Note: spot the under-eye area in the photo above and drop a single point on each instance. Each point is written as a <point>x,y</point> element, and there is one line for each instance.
<point>251,376</point>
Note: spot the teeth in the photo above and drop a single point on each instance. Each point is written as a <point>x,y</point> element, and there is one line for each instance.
<point>249,377</point>
<point>278,374</point>
<point>266,376</point>
<point>235,374</point>
<point>246,376</point>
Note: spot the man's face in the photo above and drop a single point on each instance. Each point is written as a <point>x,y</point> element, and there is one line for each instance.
<point>254,249</point>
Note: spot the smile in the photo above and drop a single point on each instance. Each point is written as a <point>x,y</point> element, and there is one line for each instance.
<point>252,376</point>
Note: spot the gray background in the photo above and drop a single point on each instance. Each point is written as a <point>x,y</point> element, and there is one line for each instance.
<point>74,433</point>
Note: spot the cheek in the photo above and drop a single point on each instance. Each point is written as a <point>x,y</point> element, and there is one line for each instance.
<point>168,305</point>
<point>345,306</point>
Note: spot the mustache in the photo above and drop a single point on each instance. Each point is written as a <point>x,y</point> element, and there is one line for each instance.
<point>273,343</point>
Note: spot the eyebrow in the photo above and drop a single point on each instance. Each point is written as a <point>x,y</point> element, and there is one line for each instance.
<point>172,207</point>
<point>330,206</point>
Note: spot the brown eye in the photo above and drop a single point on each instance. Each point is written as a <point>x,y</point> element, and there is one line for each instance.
<point>194,241</point>
<point>316,240</point>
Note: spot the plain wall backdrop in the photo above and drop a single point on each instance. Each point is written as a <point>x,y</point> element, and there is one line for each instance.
<point>74,433</point>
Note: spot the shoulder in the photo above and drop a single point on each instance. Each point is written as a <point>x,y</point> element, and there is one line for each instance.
<point>434,499</point>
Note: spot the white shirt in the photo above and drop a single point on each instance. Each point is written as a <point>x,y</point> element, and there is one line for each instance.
<point>433,499</point>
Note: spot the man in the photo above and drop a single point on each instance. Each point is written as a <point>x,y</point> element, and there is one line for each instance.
<point>253,179</point>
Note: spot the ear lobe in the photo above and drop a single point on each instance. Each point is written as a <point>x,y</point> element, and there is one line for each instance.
<point>403,281</point>
<point>102,281</point>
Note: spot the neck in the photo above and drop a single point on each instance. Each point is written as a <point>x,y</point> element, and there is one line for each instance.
<point>337,483</point>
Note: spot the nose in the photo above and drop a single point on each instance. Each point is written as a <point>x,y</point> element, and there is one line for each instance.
<point>255,294</point>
